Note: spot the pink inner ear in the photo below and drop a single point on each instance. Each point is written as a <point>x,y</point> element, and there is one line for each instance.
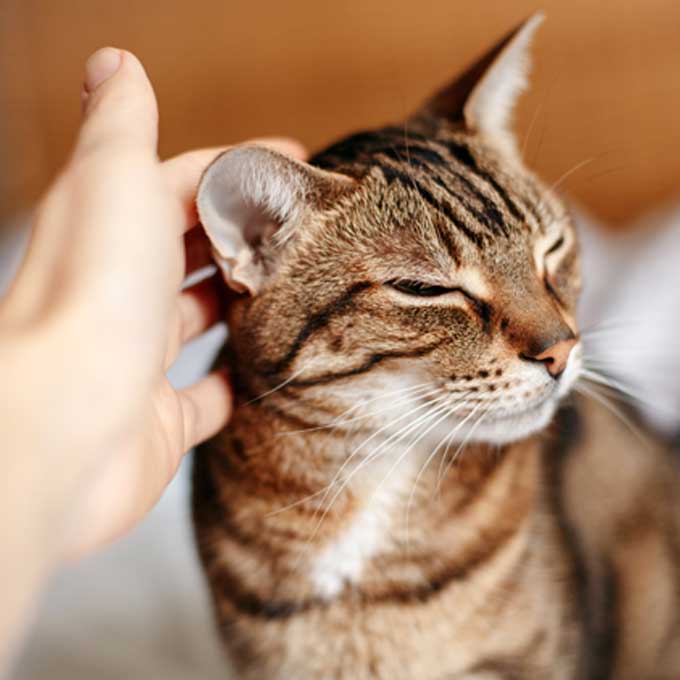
<point>240,273</point>
<point>250,194</point>
<point>231,205</point>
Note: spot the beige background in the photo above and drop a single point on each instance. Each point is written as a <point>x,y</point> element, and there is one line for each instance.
<point>606,82</point>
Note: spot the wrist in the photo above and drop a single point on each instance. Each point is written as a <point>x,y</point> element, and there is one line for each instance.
<point>33,491</point>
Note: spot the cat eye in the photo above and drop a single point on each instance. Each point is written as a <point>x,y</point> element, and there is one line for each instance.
<point>555,246</point>
<point>422,289</point>
<point>419,288</point>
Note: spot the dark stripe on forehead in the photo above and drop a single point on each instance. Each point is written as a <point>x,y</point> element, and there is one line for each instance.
<point>492,213</point>
<point>358,146</point>
<point>415,151</point>
<point>395,175</point>
<point>425,154</point>
<point>464,156</point>
<point>495,224</point>
<point>444,237</point>
<point>399,143</point>
<point>430,161</point>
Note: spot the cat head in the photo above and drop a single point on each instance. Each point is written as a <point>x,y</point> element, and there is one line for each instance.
<point>423,256</point>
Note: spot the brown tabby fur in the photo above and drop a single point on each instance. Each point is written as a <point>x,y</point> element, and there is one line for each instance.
<point>555,556</point>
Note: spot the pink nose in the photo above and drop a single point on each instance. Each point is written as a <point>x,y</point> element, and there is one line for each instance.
<point>556,356</point>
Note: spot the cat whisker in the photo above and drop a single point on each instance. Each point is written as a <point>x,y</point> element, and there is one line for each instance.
<point>393,440</point>
<point>442,414</point>
<point>450,440</point>
<point>600,335</point>
<point>407,393</point>
<point>375,454</point>
<point>615,322</point>
<point>287,381</point>
<point>445,438</point>
<point>618,387</point>
<point>463,444</point>
<point>594,394</point>
<point>441,473</point>
<point>602,351</point>
<point>621,371</point>
<point>295,504</point>
<point>399,435</point>
<point>570,172</point>
<point>530,129</point>
<point>326,489</point>
<point>388,425</point>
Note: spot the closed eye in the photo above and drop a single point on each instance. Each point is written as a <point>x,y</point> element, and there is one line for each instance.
<point>422,289</point>
<point>419,288</point>
<point>555,246</point>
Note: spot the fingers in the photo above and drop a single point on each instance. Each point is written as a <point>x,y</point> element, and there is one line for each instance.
<point>206,407</point>
<point>199,307</point>
<point>119,103</point>
<point>183,172</point>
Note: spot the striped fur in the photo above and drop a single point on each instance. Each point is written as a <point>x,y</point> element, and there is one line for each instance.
<point>400,493</point>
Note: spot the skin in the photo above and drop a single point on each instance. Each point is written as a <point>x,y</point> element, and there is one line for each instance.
<point>91,430</point>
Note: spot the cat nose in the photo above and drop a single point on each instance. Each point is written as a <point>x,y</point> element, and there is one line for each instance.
<point>555,357</point>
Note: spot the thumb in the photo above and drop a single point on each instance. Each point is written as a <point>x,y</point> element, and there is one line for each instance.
<point>119,105</point>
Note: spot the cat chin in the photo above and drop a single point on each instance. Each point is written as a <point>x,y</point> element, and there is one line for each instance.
<point>515,426</point>
<point>512,427</point>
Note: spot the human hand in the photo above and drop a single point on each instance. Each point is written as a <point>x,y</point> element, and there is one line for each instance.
<point>96,316</point>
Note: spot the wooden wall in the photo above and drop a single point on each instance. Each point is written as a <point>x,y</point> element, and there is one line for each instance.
<point>606,82</point>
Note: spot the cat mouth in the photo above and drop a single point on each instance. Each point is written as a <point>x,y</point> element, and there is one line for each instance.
<point>497,422</point>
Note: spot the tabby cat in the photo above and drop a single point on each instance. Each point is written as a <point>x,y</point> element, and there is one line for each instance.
<point>401,493</point>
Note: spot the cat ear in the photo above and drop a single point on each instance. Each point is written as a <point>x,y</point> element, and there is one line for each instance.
<point>249,195</point>
<point>483,98</point>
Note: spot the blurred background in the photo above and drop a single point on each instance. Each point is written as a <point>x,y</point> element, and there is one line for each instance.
<point>601,120</point>
<point>604,97</point>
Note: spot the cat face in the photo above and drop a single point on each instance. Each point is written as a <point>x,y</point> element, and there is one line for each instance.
<point>421,260</point>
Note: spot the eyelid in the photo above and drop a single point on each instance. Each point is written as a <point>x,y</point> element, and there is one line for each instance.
<point>483,309</point>
<point>474,300</point>
<point>555,246</point>
<point>395,283</point>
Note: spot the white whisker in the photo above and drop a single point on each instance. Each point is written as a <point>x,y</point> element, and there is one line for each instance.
<point>440,472</point>
<point>467,438</point>
<point>618,386</point>
<point>444,412</point>
<point>326,489</point>
<point>447,437</point>
<point>570,172</point>
<point>415,392</point>
<point>593,394</point>
<point>402,432</point>
<point>287,381</point>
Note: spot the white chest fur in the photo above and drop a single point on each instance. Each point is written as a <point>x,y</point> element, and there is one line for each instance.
<point>342,561</point>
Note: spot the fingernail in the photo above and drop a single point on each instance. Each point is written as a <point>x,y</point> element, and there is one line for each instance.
<point>100,67</point>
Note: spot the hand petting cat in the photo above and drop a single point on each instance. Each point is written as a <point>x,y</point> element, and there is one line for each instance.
<point>91,431</point>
